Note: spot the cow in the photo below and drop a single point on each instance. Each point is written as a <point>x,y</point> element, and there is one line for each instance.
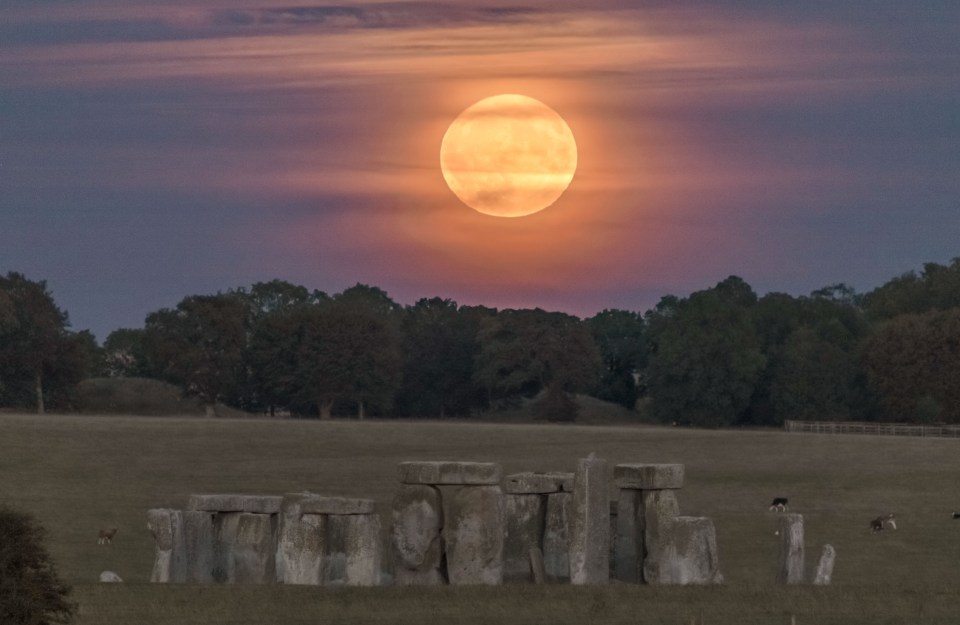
<point>883,522</point>
<point>105,537</point>
<point>779,504</point>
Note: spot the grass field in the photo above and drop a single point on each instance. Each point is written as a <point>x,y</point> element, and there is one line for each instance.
<point>78,474</point>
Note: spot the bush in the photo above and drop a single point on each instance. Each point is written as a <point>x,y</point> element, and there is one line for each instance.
<point>30,591</point>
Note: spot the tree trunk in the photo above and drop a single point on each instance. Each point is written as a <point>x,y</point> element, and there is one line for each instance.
<point>361,413</point>
<point>209,409</point>
<point>325,406</point>
<point>40,406</point>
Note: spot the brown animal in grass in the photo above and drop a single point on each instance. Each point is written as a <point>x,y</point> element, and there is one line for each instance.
<point>105,537</point>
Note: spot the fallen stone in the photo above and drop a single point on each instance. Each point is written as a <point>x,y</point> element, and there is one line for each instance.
<point>590,524</point>
<point>556,537</point>
<point>473,535</point>
<point>657,512</point>
<point>417,518</point>
<point>109,577</point>
<point>825,566</point>
<point>524,525</point>
<point>790,570</point>
<point>648,476</point>
<point>452,473</point>
<point>362,550</point>
<point>691,555</point>
<point>261,504</point>
<point>314,504</point>
<point>538,483</point>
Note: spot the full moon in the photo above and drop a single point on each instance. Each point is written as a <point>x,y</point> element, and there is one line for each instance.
<point>508,156</point>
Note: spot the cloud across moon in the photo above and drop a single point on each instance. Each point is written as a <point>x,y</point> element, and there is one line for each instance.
<point>508,156</point>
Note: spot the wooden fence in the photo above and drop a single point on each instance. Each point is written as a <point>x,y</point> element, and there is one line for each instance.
<point>882,429</point>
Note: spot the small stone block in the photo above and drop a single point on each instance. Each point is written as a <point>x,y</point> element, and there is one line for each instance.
<point>648,476</point>
<point>258,504</point>
<point>453,473</point>
<point>336,505</point>
<point>530,483</point>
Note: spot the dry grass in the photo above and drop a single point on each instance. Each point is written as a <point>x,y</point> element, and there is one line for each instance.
<point>79,474</point>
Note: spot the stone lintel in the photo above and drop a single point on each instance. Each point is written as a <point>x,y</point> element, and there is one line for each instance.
<point>531,483</point>
<point>648,476</point>
<point>262,504</point>
<point>336,505</point>
<point>448,472</point>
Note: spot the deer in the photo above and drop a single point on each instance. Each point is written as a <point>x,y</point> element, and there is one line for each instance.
<point>105,537</point>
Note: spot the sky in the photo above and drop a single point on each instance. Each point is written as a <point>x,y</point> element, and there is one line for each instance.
<point>157,149</point>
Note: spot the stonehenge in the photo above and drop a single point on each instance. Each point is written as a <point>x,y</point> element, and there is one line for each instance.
<point>449,523</point>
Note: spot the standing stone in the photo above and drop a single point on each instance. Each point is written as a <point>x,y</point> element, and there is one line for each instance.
<point>166,525</point>
<point>473,535</point>
<point>300,548</point>
<point>199,550</point>
<point>691,555</point>
<point>362,549</point>
<point>335,548</point>
<point>524,521</point>
<point>417,545</point>
<point>790,570</point>
<point>825,566</point>
<point>224,539</point>
<point>656,514</point>
<point>590,524</point>
<point>556,537</point>
<point>628,539</point>
<point>254,549</point>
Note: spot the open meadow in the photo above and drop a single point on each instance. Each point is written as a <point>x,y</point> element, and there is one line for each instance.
<point>78,474</point>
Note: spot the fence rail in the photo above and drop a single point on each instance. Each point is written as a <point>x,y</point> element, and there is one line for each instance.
<point>882,429</point>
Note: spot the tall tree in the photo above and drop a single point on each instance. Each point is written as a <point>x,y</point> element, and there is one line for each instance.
<point>705,357</point>
<point>621,337</point>
<point>199,345</point>
<point>33,332</point>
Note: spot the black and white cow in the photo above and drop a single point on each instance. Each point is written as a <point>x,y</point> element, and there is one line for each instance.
<point>883,522</point>
<point>779,504</point>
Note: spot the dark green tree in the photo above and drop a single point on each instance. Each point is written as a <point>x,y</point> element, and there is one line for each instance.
<point>705,358</point>
<point>200,345</point>
<point>31,592</point>
<point>523,352</point>
<point>124,354</point>
<point>935,287</point>
<point>621,337</point>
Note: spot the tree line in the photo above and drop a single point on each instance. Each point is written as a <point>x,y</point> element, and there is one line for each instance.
<point>721,356</point>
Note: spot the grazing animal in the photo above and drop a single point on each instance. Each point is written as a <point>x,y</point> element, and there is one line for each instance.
<point>883,522</point>
<point>105,537</point>
<point>110,577</point>
<point>779,504</point>
<point>956,515</point>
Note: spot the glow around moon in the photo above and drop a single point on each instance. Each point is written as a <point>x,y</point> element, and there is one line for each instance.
<point>508,156</point>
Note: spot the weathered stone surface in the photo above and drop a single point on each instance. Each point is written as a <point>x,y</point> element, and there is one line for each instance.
<point>314,504</point>
<point>417,516</point>
<point>628,539</point>
<point>166,525</point>
<point>524,525</point>
<point>556,537</point>
<point>657,511</point>
<point>224,538</point>
<point>300,546</point>
<point>198,551</point>
<point>444,472</point>
<point>690,554</point>
<point>473,535</point>
<point>335,554</point>
<point>590,524</point>
<point>790,570</point>
<point>254,549</point>
<point>648,476</point>
<point>825,567</point>
<point>262,504</point>
<point>538,483</point>
<point>362,550</point>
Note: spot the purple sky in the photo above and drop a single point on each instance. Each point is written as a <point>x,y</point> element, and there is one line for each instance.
<point>156,149</point>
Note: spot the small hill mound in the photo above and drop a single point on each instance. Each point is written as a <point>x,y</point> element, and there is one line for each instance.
<point>591,411</point>
<point>140,396</point>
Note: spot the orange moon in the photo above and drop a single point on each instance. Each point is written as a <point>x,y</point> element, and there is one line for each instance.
<point>508,156</point>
